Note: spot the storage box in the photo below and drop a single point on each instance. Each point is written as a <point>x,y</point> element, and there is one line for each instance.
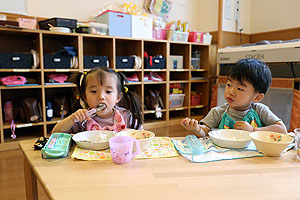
<point>16,60</point>
<point>57,61</point>
<point>27,23</point>
<point>195,99</point>
<point>155,63</point>
<point>180,36</point>
<point>175,62</point>
<point>119,24</point>
<point>124,62</point>
<point>176,100</point>
<point>58,22</point>
<point>90,62</point>
<point>92,28</point>
<point>141,27</point>
<point>196,37</point>
<point>207,38</point>
<point>159,34</point>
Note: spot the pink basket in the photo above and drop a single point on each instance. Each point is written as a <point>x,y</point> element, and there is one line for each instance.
<point>196,37</point>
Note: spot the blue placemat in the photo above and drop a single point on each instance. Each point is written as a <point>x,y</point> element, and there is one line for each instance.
<point>214,153</point>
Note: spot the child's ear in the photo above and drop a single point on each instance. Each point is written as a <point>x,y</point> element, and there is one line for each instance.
<point>258,98</point>
<point>119,98</point>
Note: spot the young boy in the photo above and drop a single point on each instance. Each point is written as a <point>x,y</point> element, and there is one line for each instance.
<point>247,83</point>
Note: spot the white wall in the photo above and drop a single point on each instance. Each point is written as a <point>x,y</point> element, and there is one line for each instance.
<point>229,23</point>
<point>270,15</point>
<point>201,14</point>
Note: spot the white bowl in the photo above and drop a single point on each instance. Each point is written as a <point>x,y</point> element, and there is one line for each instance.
<point>93,140</point>
<point>230,138</point>
<point>60,29</point>
<point>144,137</point>
<point>270,143</point>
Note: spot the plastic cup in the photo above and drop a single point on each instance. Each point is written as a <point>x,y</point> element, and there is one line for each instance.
<point>297,142</point>
<point>121,149</point>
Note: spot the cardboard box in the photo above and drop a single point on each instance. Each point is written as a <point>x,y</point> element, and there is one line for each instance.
<point>119,24</point>
<point>175,62</point>
<point>141,27</point>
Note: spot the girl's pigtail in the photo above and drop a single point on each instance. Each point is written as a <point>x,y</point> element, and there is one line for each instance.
<point>77,78</point>
<point>132,101</point>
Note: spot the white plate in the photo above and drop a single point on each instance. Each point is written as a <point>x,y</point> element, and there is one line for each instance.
<point>230,138</point>
<point>93,140</point>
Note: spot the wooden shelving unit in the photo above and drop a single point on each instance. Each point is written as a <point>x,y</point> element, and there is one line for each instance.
<point>45,42</point>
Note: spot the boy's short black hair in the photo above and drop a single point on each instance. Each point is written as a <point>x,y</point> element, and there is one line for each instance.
<point>253,71</point>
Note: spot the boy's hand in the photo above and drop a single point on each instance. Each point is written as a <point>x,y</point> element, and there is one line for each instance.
<point>242,125</point>
<point>79,115</point>
<point>190,124</point>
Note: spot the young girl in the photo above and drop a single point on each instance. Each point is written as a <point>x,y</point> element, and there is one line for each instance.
<point>103,87</point>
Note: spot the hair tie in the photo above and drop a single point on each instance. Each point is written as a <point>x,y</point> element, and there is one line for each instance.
<point>126,89</point>
<point>81,78</point>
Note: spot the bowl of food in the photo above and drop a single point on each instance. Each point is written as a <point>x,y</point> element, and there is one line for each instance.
<point>93,140</point>
<point>230,138</point>
<point>270,143</point>
<point>143,136</point>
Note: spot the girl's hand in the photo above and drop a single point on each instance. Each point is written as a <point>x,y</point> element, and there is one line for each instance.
<point>190,124</point>
<point>79,115</point>
<point>242,125</point>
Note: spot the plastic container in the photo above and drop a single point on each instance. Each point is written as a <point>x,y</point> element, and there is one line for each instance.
<point>196,37</point>
<point>92,28</point>
<point>58,146</point>
<point>176,100</point>
<point>49,111</point>
<point>195,99</point>
<point>180,36</point>
<point>195,62</point>
<point>58,22</point>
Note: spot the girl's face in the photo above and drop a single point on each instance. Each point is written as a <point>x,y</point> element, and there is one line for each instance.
<point>106,93</point>
<point>240,95</point>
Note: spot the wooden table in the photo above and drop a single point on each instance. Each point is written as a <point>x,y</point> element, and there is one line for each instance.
<point>164,178</point>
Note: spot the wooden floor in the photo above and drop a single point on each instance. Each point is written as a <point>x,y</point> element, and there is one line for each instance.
<point>12,186</point>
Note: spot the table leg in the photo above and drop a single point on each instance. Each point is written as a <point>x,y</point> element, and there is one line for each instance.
<point>30,182</point>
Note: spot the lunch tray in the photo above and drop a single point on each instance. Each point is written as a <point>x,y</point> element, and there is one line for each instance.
<point>58,146</point>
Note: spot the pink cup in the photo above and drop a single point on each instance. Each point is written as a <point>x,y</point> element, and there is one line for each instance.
<point>121,148</point>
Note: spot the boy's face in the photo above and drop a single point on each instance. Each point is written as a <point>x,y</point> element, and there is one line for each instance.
<point>240,95</point>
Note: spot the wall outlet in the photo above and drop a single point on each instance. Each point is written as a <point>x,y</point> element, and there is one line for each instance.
<point>237,10</point>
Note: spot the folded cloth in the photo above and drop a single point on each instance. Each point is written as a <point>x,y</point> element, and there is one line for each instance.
<point>214,153</point>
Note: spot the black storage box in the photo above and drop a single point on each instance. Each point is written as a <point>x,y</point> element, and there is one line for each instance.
<point>16,60</point>
<point>58,22</point>
<point>90,62</point>
<point>57,61</point>
<point>157,63</point>
<point>124,62</point>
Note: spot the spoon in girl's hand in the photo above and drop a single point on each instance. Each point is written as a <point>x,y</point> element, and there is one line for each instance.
<point>100,107</point>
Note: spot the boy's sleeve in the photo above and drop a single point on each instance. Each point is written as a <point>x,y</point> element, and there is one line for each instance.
<point>212,119</point>
<point>266,116</point>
